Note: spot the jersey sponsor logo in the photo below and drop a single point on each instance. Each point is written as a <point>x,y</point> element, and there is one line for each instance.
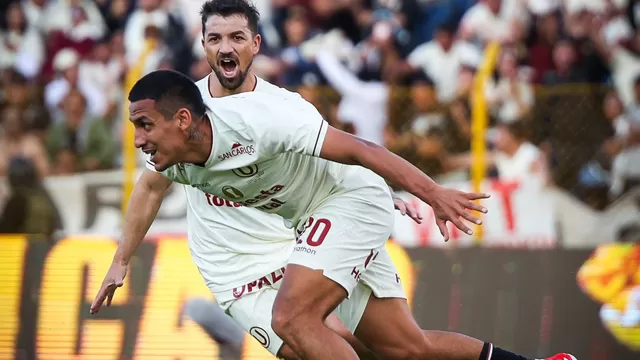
<point>247,171</point>
<point>302,248</point>
<point>217,201</point>
<point>264,194</point>
<point>236,195</point>
<point>231,192</point>
<point>237,149</point>
<point>266,280</point>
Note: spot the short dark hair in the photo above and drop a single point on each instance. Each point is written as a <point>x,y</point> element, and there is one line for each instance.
<point>171,91</point>
<point>226,8</point>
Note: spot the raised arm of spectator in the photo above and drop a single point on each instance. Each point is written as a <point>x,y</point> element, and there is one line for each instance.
<point>347,83</point>
<point>604,49</point>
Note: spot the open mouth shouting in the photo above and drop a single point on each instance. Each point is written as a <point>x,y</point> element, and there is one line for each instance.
<point>229,67</point>
<point>151,153</point>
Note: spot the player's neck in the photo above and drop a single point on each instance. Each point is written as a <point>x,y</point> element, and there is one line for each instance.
<point>216,90</point>
<point>200,143</point>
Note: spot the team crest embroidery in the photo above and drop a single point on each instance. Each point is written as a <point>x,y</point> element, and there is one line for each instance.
<point>245,172</point>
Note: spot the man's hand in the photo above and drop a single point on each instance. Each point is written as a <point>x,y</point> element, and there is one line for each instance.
<point>113,280</point>
<point>406,208</point>
<point>451,204</point>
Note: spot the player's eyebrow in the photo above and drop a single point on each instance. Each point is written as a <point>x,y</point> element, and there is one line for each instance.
<point>136,120</point>
<point>233,33</point>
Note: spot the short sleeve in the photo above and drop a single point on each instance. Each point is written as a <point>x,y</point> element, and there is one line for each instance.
<point>300,129</point>
<point>278,123</point>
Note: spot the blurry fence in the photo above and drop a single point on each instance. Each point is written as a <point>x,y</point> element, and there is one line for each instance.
<point>527,301</point>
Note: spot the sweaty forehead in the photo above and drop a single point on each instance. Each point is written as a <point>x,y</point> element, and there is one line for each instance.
<point>226,24</point>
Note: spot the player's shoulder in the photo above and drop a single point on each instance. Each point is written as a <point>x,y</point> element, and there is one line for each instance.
<point>203,85</point>
<point>263,86</point>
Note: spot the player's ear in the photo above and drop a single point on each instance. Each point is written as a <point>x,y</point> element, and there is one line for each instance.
<point>257,40</point>
<point>184,118</point>
<point>202,43</point>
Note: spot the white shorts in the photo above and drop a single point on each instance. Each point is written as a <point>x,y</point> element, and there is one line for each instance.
<point>345,235</point>
<point>252,310</point>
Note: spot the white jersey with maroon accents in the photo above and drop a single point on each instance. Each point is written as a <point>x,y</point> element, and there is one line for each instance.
<point>233,245</point>
<point>265,155</point>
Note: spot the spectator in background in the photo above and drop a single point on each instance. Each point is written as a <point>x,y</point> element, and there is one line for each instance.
<point>594,178</point>
<point>296,32</point>
<point>21,45</point>
<point>149,16</point>
<point>68,77</point>
<point>623,58</point>
<point>29,209</point>
<point>419,117</point>
<point>364,104</point>
<point>105,72</point>
<point>117,52</point>
<point>15,142</point>
<point>510,97</point>
<point>625,169</point>
<point>34,10</point>
<point>71,24</point>
<point>458,127</point>
<point>546,33</point>
<point>421,136</point>
<point>503,21</point>
<point>442,58</point>
<point>564,70</point>
<point>87,138</point>
<point>515,158</point>
<point>20,93</point>
<point>75,20</point>
<point>115,13</point>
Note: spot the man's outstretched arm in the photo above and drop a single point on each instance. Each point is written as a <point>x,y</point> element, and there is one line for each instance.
<point>144,204</point>
<point>447,204</point>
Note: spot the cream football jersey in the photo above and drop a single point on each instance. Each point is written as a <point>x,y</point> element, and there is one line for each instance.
<point>232,244</point>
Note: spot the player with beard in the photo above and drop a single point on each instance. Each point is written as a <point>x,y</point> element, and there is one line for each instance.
<point>192,145</point>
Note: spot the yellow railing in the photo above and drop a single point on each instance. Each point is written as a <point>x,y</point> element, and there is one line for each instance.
<point>128,149</point>
<point>479,122</point>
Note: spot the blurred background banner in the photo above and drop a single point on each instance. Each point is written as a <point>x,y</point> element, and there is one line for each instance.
<point>91,203</point>
<point>523,213</point>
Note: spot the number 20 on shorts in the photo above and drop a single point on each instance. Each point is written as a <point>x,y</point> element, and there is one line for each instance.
<point>318,230</point>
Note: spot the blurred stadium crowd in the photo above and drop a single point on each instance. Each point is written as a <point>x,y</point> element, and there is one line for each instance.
<point>564,98</point>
